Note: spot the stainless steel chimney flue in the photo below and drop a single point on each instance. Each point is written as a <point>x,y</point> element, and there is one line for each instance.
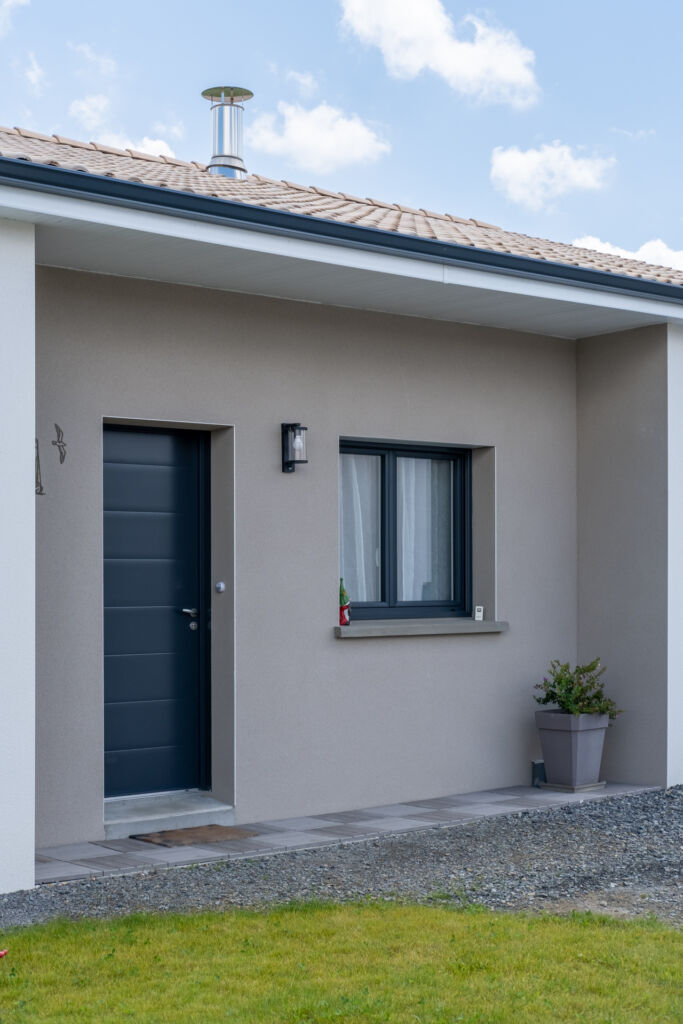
<point>226,110</point>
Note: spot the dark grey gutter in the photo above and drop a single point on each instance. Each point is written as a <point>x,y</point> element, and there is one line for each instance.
<point>189,205</point>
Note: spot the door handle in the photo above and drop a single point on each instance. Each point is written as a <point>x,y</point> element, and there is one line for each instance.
<point>192,612</point>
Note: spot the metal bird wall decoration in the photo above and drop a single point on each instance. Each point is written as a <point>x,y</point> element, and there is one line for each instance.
<point>60,443</point>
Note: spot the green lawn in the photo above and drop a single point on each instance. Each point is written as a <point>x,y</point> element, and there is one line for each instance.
<point>362,962</point>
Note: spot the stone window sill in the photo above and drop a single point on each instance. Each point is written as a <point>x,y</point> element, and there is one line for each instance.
<point>416,627</point>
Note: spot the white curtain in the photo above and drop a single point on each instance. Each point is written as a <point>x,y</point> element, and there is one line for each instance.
<point>359,525</point>
<point>424,513</point>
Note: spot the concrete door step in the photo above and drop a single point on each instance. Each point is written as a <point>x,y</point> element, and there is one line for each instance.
<point>154,812</point>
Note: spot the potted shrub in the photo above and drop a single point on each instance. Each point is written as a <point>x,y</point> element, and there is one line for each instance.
<point>573,734</point>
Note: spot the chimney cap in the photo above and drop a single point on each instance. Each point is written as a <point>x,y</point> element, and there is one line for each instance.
<point>227,94</point>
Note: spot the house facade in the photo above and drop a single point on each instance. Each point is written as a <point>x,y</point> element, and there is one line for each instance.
<point>492,422</point>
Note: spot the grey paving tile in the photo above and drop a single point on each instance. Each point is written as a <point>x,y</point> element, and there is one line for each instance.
<point>392,810</point>
<point>236,845</point>
<point>61,871</point>
<point>482,810</point>
<point>396,824</point>
<point>439,801</point>
<point>511,807</point>
<point>260,827</point>
<point>445,816</point>
<point>116,861</point>
<point>295,839</point>
<point>176,855</point>
<point>295,824</point>
<point>124,845</point>
<point>347,831</point>
<point>348,817</point>
<point>73,851</point>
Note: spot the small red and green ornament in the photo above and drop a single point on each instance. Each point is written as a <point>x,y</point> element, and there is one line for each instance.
<point>344,605</point>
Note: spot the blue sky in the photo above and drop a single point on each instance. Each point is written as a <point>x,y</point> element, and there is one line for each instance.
<point>558,120</point>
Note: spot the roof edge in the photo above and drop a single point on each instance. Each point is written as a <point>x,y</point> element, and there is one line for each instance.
<point>151,198</point>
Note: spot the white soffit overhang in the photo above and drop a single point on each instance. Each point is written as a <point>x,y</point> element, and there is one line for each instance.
<point>114,239</point>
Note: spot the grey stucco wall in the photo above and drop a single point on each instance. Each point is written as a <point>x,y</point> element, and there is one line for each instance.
<point>320,725</point>
<point>622,418</point>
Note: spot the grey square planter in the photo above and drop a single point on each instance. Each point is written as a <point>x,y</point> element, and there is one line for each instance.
<point>572,748</point>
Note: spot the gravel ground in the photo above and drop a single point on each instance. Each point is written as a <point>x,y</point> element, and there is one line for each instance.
<point>620,855</point>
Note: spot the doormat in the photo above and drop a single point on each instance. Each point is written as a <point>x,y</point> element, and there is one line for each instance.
<point>198,834</point>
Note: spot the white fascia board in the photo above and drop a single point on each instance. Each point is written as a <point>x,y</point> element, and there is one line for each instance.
<point>47,208</point>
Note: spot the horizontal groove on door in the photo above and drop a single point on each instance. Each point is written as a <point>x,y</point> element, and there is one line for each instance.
<point>128,772</point>
<point>144,654</point>
<point>147,676</point>
<point>135,725</point>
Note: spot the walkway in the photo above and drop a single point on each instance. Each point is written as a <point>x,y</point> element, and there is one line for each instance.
<point>129,856</point>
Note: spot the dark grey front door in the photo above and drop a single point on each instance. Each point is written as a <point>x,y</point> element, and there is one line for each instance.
<point>155,701</point>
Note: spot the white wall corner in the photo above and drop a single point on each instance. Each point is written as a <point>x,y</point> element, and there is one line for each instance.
<point>17,556</point>
<point>674,773</point>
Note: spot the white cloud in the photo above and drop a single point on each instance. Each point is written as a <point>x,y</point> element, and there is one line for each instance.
<point>534,177</point>
<point>636,136</point>
<point>493,66</point>
<point>176,129</point>
<point>34,74</point>
<point>317,140</point>
<point>6,9</point>
<point>92,111</point>
<point>655,251</point>
<point>305,82</point>
<point>155,147</point>
<point>104,65</point>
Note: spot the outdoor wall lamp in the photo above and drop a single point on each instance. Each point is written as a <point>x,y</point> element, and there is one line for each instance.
<point>293,446</point>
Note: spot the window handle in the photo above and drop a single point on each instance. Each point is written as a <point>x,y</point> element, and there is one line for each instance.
<point>192,612</point>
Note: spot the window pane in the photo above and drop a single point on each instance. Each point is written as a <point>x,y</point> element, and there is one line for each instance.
<point>424,529</point>
<point>360,509</point>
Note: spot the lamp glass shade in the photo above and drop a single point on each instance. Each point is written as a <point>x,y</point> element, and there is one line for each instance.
<point>296,444</point>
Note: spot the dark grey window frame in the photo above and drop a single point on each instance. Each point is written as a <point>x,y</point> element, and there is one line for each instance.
<point>389,607</point>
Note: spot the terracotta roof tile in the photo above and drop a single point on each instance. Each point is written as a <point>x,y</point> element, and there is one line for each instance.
<point>309,200</point>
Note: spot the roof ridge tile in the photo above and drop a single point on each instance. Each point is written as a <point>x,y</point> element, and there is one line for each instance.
<point>380,202</point>
<point>265,180</point>
<point>301,188</point>
<point>327,192</point>
<point>483,224</point>
<point>9,131</point>
<point>112,150</point>
<point>431,213</point>
<point>137,155</point>
<point>27,134</point>
<point>63,140</point>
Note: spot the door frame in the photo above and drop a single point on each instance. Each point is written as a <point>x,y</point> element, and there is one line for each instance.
<point>203,439</point>
<point>204,515</point>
